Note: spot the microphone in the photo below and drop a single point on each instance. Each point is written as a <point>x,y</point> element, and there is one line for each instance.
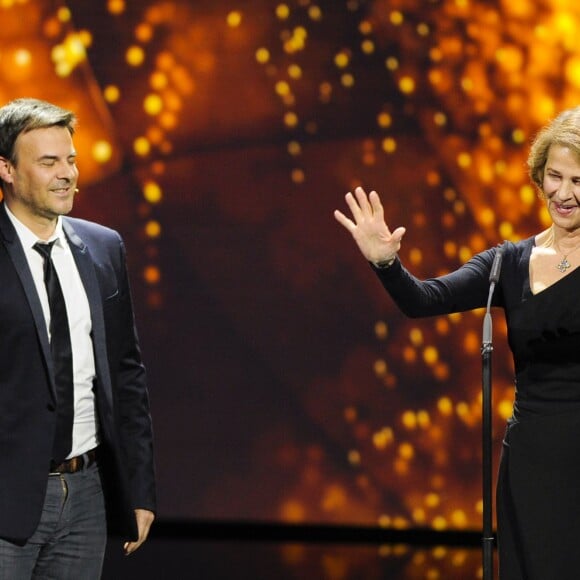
<point>493,280</point>
<point>496,266</point>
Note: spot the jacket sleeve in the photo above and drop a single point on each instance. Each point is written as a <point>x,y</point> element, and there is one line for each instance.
<point>464,289</point>
<point>131,394</point>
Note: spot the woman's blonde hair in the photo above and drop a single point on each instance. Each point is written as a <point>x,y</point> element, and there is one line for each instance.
<point>563,130</point>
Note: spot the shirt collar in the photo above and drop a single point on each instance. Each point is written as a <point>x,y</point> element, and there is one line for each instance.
<point>28,238</point>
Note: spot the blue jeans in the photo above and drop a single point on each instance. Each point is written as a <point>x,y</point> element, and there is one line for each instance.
<point>69,542</point>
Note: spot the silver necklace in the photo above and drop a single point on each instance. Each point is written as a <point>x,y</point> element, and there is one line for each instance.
<point>563,264</point>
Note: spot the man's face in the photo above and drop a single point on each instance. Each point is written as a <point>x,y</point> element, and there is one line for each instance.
<point>42,181</point>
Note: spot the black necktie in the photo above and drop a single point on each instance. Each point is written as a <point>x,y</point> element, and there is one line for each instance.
<point>61,350</point>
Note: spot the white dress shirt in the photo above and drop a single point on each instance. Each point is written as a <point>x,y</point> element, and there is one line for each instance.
<point>85,429</point>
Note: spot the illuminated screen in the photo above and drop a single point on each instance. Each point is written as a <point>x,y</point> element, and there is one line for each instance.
<point>218,137</point>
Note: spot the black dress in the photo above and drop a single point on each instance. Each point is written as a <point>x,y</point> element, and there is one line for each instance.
<point>538,492</point>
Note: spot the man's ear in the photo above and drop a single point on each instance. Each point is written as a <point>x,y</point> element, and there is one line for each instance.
<point>6,168</point>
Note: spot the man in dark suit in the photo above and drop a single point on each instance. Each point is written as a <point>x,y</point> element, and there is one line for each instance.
<point>76,455</point>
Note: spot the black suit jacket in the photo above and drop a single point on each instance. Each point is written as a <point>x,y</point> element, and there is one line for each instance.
<point>27,390</point>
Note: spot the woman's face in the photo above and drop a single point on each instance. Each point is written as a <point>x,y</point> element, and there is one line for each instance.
<point>561,186</point>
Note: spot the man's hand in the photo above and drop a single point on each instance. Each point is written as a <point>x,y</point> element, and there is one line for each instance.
<point>144,520</point>
<point>368,227</point>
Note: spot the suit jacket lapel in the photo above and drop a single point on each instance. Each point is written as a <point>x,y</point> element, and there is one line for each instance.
<point>18,257</point>
<point>86,268</point>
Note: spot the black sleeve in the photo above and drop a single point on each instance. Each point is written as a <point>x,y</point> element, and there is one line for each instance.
<point>464,289</point>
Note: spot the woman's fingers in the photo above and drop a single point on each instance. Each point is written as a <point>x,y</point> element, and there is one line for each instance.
<point>363,201</point>
<point>343,220</point>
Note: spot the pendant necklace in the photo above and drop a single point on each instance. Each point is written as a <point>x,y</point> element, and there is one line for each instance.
<point>563,264</point>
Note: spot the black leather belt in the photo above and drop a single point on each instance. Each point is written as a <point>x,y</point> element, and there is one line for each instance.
<point>75,464</point>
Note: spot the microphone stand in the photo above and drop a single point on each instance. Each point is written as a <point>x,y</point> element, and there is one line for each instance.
<point>487,540</point>
<point>486,350</point>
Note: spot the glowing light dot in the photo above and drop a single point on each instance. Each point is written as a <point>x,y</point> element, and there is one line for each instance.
<point>144,32</point>
<point>341,60</point>
<point>440,119</point>
<point>112,93</point>
<point>430,355</point>
<point>505,409</point>
<point>153,229</point>
<point>142,146</point>
<point>392,63</point>
<point>153,104</point>
<point>465,254</point>
<point>152,275</point>
<point>415,256</point>
<point>506,230</point>
<point>464,160</point>
<point>406,451</point>
<point>518,136</point>
<point>433,178</point>
<point>158,80</point>
<point>368,46</point>
<point>409,354</point>
<point>381,330</point>
<point>365,27</point>
<point>290,119</point>
<point>383,438</point>
<point>389,145</point>
<point>234,19</point>
<point>380,368</point>
<point>419,515</point>
<point>152,192</point>
<point>63,69</point>
<point>347,80</point>
<point>416,336</point>
<point>102,151</point>
<point>407,85</point>
<point>436,54</point>
<point>432,500</point>
<point>292,511</point>
<point>409,420</point>
<point>63,14</point>
<point>544,216</point>
<point>439,523</point>
<point>168,120</point>
<point>22,57</point>
<point>135,56</point>
<point>384,521</point>
<point>282,88</point>
<point>116,6</point>
<point>423,419</point>
<point>282,11</point>
<point>294,148</point>
<point>354,457</point>
<point>487,216</point>
<point>298,176</point>
<point>315,13</point>
<point>527,194</point>
<point>396,18</point>
<point>445,406</point>
<point>350,414</point>
<point>384,120</point>
<point>423,29</point>
<point>294,71</point>
<point>462,409</point>
<point>467,84</point>
<point>262,55</point>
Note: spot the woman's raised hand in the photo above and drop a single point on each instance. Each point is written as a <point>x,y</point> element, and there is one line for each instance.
<point>368,228</point>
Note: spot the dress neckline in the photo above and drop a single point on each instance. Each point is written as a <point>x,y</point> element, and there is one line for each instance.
<point>528,260</point>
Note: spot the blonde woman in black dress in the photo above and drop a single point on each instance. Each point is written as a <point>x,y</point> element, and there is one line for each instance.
<point>538,491</point>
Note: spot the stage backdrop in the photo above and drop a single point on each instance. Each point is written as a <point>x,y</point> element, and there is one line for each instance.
<point>218,136</point>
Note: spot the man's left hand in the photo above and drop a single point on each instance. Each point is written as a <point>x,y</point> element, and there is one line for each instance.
<point>144,520</point>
